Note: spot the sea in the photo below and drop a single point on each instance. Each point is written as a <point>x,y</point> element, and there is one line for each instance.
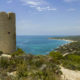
<point>38,44</point>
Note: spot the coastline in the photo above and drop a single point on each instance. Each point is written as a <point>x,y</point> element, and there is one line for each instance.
<point>70,41</point>
<point>64,40</point>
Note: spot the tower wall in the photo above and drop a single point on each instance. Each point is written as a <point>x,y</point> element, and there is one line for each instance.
<point>7,32</point>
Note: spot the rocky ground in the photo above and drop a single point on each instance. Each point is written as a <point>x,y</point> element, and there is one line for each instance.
<point>6,55</point>
<point>70,74</point>
<point>67,74</point>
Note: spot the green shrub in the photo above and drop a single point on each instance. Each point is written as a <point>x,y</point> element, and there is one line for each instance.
<point>72,57</point>
<point>71,65</point>
<point>39,62</point>
<point>11,68</point>
<point>8,54</point>
<point>22,70</point>
<point>19,52</point>
<point>56,55</point>
<point>72,61</point>
<point>4,62</point>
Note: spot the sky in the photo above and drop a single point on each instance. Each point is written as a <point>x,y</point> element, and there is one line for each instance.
<point>44,17</point>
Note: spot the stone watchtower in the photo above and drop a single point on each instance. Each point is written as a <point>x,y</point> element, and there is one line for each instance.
<point>7,32</point>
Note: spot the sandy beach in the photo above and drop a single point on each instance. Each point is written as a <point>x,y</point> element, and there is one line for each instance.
<point>65,40</point>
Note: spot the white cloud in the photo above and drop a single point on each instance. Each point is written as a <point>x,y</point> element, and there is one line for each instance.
<point>45,8</point>
<point>70,0</point>
<point>32,6</point>
<point>52,9</point>
<point>23,21</point>
<point>23,4</point>
<point>9,1</point>
<point>29,11</point>
<point>41,9</point>
<point>38,4</point>
<point>35,2</point>
<point>48,7</point>
<point>72,9</point>
<point>35,13</point>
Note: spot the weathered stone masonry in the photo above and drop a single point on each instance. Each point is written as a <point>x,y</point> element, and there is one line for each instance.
<point>7,32</point>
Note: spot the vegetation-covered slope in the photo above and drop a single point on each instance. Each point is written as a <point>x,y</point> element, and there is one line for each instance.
<point>72,50</point>
<point>30,67</point>
<point>40,67</point>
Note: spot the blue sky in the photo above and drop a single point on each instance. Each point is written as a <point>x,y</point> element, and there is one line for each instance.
<point>44,17</point>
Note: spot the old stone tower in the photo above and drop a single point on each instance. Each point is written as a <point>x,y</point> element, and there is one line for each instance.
<point>7,32</point>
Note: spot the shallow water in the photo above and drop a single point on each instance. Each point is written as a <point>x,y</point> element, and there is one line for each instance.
<point>38,45</point>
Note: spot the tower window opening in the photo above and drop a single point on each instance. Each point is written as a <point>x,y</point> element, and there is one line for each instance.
<point>8,32</point>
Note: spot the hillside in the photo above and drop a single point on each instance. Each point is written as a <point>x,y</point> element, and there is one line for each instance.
<point>54,66</point>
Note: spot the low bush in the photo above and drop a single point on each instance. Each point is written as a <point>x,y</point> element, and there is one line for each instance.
<point>22,70</point>
<point>19,52</point>
<point>56,55</point>
<point>39,62</point>
<point>73,58</point>
<point>4,62</point>
<point>70,65</point>
<point>28,66</point>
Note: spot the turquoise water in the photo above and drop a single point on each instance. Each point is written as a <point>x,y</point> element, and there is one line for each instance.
<point>38,45</point>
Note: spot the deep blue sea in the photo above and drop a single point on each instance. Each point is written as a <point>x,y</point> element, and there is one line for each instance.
<point>38,45</point>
